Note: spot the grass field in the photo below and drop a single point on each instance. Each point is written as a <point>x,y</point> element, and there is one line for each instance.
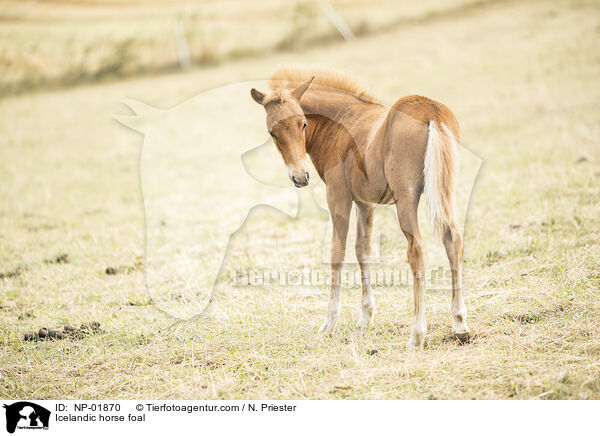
<point>523,79</point>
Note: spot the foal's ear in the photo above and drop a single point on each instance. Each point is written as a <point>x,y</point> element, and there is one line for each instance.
<point>258,96</point>
<point>300,90</point>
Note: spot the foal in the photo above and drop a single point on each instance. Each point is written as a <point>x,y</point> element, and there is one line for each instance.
<point>370,154</point>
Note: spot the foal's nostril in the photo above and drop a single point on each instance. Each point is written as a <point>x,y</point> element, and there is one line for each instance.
<point>307,177</point>
<point>295,180</point>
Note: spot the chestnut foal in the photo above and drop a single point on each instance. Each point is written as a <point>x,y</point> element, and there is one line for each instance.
<point>370,154</point>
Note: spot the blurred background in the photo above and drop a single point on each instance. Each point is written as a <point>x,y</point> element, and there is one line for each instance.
<point>50,44</point>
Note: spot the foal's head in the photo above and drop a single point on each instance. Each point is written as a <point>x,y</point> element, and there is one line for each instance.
<point>287,126</point>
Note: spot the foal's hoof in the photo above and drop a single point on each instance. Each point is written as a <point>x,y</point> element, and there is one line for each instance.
<point>363,323</point>
<point>412,346</point>
<point>463,338</point>
<point>327,326</point>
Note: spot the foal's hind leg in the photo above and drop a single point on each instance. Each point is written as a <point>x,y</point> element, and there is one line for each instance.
<point>406,207</point>
<point>364,229</point>
<point>453,244</point>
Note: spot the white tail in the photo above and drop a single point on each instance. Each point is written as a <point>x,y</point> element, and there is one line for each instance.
<point>439,173</point>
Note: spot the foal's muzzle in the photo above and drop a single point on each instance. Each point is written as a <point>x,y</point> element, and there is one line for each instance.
<point>300,180</point>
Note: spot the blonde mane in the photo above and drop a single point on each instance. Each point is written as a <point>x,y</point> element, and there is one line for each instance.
<point>290,77</point>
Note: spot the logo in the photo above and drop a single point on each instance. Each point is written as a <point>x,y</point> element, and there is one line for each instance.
<point>220,207</point>
<point>26,415</point>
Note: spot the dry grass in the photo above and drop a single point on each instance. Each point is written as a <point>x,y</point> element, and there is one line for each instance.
<point>522,78</point>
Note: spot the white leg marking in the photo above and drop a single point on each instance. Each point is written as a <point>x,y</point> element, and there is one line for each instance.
<point>335,304</point>
<point>419,329</point>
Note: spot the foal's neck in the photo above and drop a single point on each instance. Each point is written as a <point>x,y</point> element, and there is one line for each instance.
<point>332,103</point>
<point>331,114</point>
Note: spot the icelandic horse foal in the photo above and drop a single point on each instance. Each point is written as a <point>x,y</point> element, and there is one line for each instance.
<point>370,154</point>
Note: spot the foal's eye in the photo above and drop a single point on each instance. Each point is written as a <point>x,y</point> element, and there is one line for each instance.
<point>272,134</point>
<point>304,125</point>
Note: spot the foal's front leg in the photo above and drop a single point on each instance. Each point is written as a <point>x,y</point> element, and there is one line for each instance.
<point>339,204</point>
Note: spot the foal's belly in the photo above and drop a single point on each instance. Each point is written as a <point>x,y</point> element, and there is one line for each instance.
<point>369,188</point>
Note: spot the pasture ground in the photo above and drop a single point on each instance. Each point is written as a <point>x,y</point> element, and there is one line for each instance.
<point>523,79</point>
